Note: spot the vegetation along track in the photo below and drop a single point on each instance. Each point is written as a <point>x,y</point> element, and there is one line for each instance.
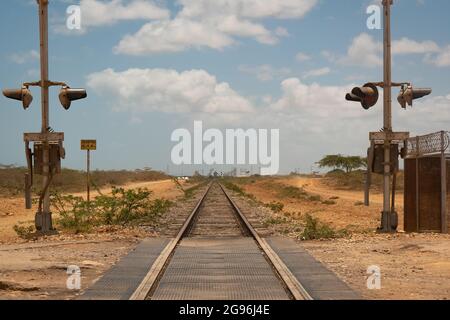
<point>218,255</point>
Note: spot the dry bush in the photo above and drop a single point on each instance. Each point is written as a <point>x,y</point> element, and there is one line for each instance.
<point>12,179</point>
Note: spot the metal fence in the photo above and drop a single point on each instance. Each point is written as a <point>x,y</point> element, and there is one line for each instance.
<point>429,144</point>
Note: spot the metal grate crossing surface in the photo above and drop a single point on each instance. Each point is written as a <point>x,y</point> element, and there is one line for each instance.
<point>321,283</point>
<point>219,269</point>
<point>121,280</point>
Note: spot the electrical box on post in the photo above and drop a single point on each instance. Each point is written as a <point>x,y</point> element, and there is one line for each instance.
<point>378,158</point>
<point>55,158</point>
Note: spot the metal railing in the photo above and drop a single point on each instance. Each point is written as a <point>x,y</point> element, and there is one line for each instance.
<point>429,144</point>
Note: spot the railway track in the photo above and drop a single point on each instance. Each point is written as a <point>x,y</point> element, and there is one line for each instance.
<point>217,254</point>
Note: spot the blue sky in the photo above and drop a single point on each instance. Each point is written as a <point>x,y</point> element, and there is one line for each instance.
<point>153,66</point>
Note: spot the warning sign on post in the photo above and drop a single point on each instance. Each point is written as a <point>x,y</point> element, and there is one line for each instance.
<point>88,144</point>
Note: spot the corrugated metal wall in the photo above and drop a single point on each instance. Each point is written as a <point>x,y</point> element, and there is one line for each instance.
<point>428,203</point>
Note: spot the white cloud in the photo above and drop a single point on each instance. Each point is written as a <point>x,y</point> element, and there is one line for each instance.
<point>330,56</point>
<point>232,25</point>
<point>100,13</point>
<point>316,72</point>
<point>281,32</point>
<point>25,57</point>
<point>197,91</point>
<point>312,99</point>
<point>442,59</point>
<point>408,46</point>
<point>436,111</point>
<point>265,72</point>
<point>301,57</point>
<point>213,24</point>
<point>96,13</point>
<point>313,119</point>
<point>253,9</point>
<point>168,91</point>
<point>365,51</point>
<point>172,36</point>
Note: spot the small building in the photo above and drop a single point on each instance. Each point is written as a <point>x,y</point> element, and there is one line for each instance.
<point>427,183</point>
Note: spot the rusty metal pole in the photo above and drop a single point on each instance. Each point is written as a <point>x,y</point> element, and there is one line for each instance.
<point>417,185</point>
<point>386,217</point>
<point>44,219</point>
<point>370,152</point>
<point>444,226</point>
<point>88,179</point>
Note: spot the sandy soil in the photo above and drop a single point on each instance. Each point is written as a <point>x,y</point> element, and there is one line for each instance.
<point>38,269</point>
<point>347,212</point>
<point>413,266</point>
<point>12,210</point>
<point>317,186</point>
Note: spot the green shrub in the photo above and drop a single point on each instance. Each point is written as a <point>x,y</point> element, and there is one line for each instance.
<point>291,192</point>
<point>275,206</point>
<point>315,198</point>
<point>24,232</point>
<point>329,202</point>
<point>122,207</point>
<point>189,192</point>
<point>234,187</point>
<point>237,189</point>
<point>274,220</point>
<point>314,229</point>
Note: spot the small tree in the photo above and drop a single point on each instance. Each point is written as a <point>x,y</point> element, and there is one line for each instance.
<point>338,161</point>
<point>331,161</point>
<point>354,162</point>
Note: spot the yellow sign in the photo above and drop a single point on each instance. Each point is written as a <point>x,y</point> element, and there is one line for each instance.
<point>88,144</point>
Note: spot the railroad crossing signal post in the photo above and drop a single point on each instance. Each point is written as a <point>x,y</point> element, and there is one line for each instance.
<point>388,218</point>
<point>88,145</point>
<point>45,216</point>
<point>368,97</point>
<point>48,145</point>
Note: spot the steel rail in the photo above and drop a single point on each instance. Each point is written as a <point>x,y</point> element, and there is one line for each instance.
<point>296,289</point>
<point>148,284</point>
<point>157,268</point>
